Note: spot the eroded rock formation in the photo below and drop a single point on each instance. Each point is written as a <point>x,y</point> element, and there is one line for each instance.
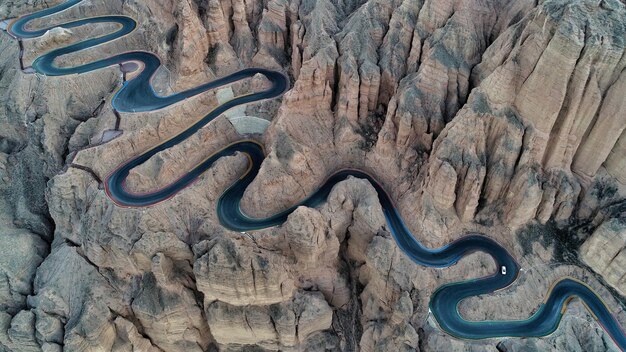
<point>504,117</point>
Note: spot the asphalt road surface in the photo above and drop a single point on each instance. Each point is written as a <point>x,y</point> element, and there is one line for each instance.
<point>137,95</point>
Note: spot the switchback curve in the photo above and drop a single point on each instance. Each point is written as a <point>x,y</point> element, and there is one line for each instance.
<point>137,95</point>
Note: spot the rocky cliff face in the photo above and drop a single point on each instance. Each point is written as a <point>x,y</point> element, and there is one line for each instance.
<point>504,117</point>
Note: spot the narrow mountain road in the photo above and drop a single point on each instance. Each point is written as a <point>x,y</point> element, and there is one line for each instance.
<point>138,95</point>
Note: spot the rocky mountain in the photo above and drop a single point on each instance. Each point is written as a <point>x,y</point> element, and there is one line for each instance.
<point>496,116</point>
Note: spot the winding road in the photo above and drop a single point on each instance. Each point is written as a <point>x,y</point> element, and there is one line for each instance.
<point>138,95</point>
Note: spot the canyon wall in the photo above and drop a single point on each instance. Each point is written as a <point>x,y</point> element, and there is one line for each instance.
<point>502,117</point>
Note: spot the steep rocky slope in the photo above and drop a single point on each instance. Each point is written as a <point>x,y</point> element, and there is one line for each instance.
<point>504,117</point>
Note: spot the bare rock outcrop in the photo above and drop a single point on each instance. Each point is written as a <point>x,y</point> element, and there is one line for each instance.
<point>604,252</point>
<point>236,275</point>
<point>530,165</point>
<point>193,44</point>
<point>278,326</point>
<point>502,117</point>
<point>11,8</point>
<point>167,309</point>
